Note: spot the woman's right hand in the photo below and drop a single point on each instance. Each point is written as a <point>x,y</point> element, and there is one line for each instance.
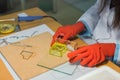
<point>65,32</point>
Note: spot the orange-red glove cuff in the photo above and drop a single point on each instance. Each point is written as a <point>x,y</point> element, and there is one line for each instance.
<point>108,49</point>
<point>79,27</point>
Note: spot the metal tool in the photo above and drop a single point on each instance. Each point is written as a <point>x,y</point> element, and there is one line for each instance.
<point>12,19</point>
<point>26,18</point>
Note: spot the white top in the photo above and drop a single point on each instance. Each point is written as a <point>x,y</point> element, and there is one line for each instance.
<point>99,27</point>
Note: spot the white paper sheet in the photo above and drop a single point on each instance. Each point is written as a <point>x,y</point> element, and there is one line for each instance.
<point>19,36</point>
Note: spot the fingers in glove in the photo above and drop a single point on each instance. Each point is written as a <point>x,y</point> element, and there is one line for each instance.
<point>87,60</point>
<point>79,57</point>
<point>64,38</point>
<point>53,41</point>
<point>76,52</point>
<point>102,58</point>
<point>96,58</point>
<point>56,36</point>
<point>98,55</point>
<point>94,61</point>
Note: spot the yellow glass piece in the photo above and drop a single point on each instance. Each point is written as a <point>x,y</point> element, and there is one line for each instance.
<point>58,49</point>
<point>7,28</point>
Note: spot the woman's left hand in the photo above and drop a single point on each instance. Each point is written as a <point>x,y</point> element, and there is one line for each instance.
<point>91,55</point>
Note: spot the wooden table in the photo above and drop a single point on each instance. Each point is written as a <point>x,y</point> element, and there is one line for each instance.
<point>52,24</point>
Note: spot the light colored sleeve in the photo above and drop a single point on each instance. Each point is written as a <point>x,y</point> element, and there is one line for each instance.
<point>90,18</point>
<point>116,58</point>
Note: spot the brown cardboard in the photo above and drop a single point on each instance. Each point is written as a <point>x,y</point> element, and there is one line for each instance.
<point>25,65</point>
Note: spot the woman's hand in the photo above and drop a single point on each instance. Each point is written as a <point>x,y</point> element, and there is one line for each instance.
<point>68,31</point>
<point>92,55</point>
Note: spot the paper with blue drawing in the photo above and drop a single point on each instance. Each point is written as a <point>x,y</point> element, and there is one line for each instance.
<point>24,55</point>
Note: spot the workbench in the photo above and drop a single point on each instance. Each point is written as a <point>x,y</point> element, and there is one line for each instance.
<point>52,24</point>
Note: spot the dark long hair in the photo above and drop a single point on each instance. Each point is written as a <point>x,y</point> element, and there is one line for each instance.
<point>116,4</point>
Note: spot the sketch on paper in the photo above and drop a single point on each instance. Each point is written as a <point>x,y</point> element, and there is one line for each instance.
<point>27,51</point>
<point>6,41</point>
<point>26,54</point>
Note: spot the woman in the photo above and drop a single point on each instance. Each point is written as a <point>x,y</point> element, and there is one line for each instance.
<point>99,26</point>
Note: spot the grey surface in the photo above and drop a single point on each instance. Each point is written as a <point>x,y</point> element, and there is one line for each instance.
<point>83,5</point>
<point>66,13</point>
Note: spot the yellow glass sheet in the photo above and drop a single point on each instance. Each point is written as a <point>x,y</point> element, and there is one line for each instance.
<point>58,49</point>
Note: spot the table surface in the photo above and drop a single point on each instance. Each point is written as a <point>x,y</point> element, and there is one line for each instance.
<point>52,24</point>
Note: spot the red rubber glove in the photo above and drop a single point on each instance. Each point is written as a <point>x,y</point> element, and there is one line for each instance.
<point>68,31</point>
<point>92,55</point>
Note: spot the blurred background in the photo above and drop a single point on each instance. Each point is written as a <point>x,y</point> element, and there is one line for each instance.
<point>65,11</point>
